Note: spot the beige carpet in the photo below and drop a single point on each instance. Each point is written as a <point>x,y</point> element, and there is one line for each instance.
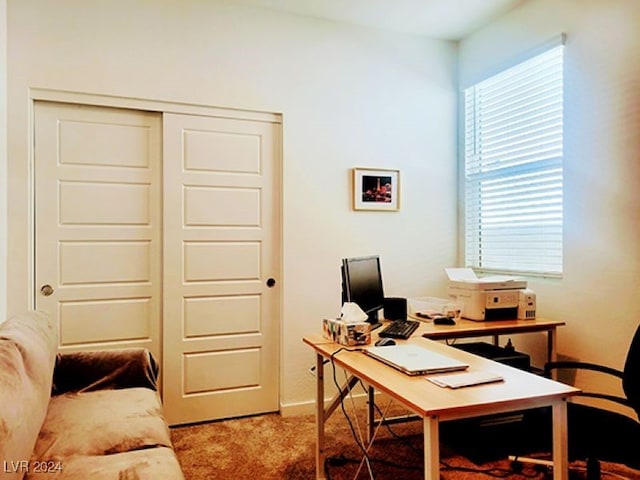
<point>272,447</point>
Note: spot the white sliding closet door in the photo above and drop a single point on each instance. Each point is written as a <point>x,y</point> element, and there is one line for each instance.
<point>221,267</point>
<point>163,231</point>
<point>97,225</point>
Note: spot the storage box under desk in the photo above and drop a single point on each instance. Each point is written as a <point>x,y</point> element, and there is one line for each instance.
<point>499,354</point>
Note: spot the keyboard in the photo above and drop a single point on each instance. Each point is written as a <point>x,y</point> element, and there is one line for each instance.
<point>399,329</point>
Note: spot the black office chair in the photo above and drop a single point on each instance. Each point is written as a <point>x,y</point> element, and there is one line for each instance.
<point>597,434</point>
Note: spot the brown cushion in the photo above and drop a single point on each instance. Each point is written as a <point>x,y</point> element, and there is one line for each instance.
<point>99,370</point>
<point>28,346</point>
<point>103,422</point>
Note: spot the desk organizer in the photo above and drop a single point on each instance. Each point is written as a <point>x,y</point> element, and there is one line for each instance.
<point>433,306</point>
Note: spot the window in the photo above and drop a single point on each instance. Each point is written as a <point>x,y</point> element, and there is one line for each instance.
<point>513,168</point>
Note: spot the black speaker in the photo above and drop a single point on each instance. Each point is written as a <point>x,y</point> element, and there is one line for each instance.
<point>395,308</point>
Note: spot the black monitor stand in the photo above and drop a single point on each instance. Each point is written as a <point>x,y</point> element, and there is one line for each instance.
<point>374,320</point>
<point>375,325</point>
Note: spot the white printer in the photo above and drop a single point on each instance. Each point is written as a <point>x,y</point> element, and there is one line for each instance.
<point>491,298</point>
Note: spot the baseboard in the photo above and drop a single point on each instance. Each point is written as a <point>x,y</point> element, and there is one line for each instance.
<point>297,409</point>
<point>309,407</point>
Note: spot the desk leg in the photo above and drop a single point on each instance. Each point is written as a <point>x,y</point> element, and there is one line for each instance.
<point>371,413</point>
<point>431,448</point>
<point>320,418</point>
<point>560,442</point>
<point>552,352</point>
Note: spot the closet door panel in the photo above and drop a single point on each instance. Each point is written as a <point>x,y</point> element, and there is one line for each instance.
<point>97,225</point>
<point>221,244</point>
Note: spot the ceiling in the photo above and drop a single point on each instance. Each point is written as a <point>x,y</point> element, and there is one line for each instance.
<point>442,19</point>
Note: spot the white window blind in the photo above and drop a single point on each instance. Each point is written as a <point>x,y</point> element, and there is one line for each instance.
<point>513,168</point>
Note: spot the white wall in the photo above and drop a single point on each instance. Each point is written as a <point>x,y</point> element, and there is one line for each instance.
<point>598,294</point>
<point>349,97</point>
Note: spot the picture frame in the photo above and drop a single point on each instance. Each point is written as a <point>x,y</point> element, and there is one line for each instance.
<point>376,189</point>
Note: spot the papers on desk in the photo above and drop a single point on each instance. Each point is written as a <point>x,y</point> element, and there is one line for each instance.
<point>465,379</point>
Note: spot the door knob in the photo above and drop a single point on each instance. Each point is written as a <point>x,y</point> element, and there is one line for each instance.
<point>46,290</point>
<point>271,282</point>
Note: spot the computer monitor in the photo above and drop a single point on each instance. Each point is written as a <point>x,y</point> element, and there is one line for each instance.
<point>362,285</point>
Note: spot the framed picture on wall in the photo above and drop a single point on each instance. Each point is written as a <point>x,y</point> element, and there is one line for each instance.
<point>376,189</point>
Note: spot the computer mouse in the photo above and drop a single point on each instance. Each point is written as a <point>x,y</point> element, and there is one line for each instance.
<point>444,321</point>
<point>385,342</point>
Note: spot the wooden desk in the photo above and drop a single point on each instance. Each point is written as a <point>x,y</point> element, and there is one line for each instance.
<point>470,328</point>
<point>520,390</point>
